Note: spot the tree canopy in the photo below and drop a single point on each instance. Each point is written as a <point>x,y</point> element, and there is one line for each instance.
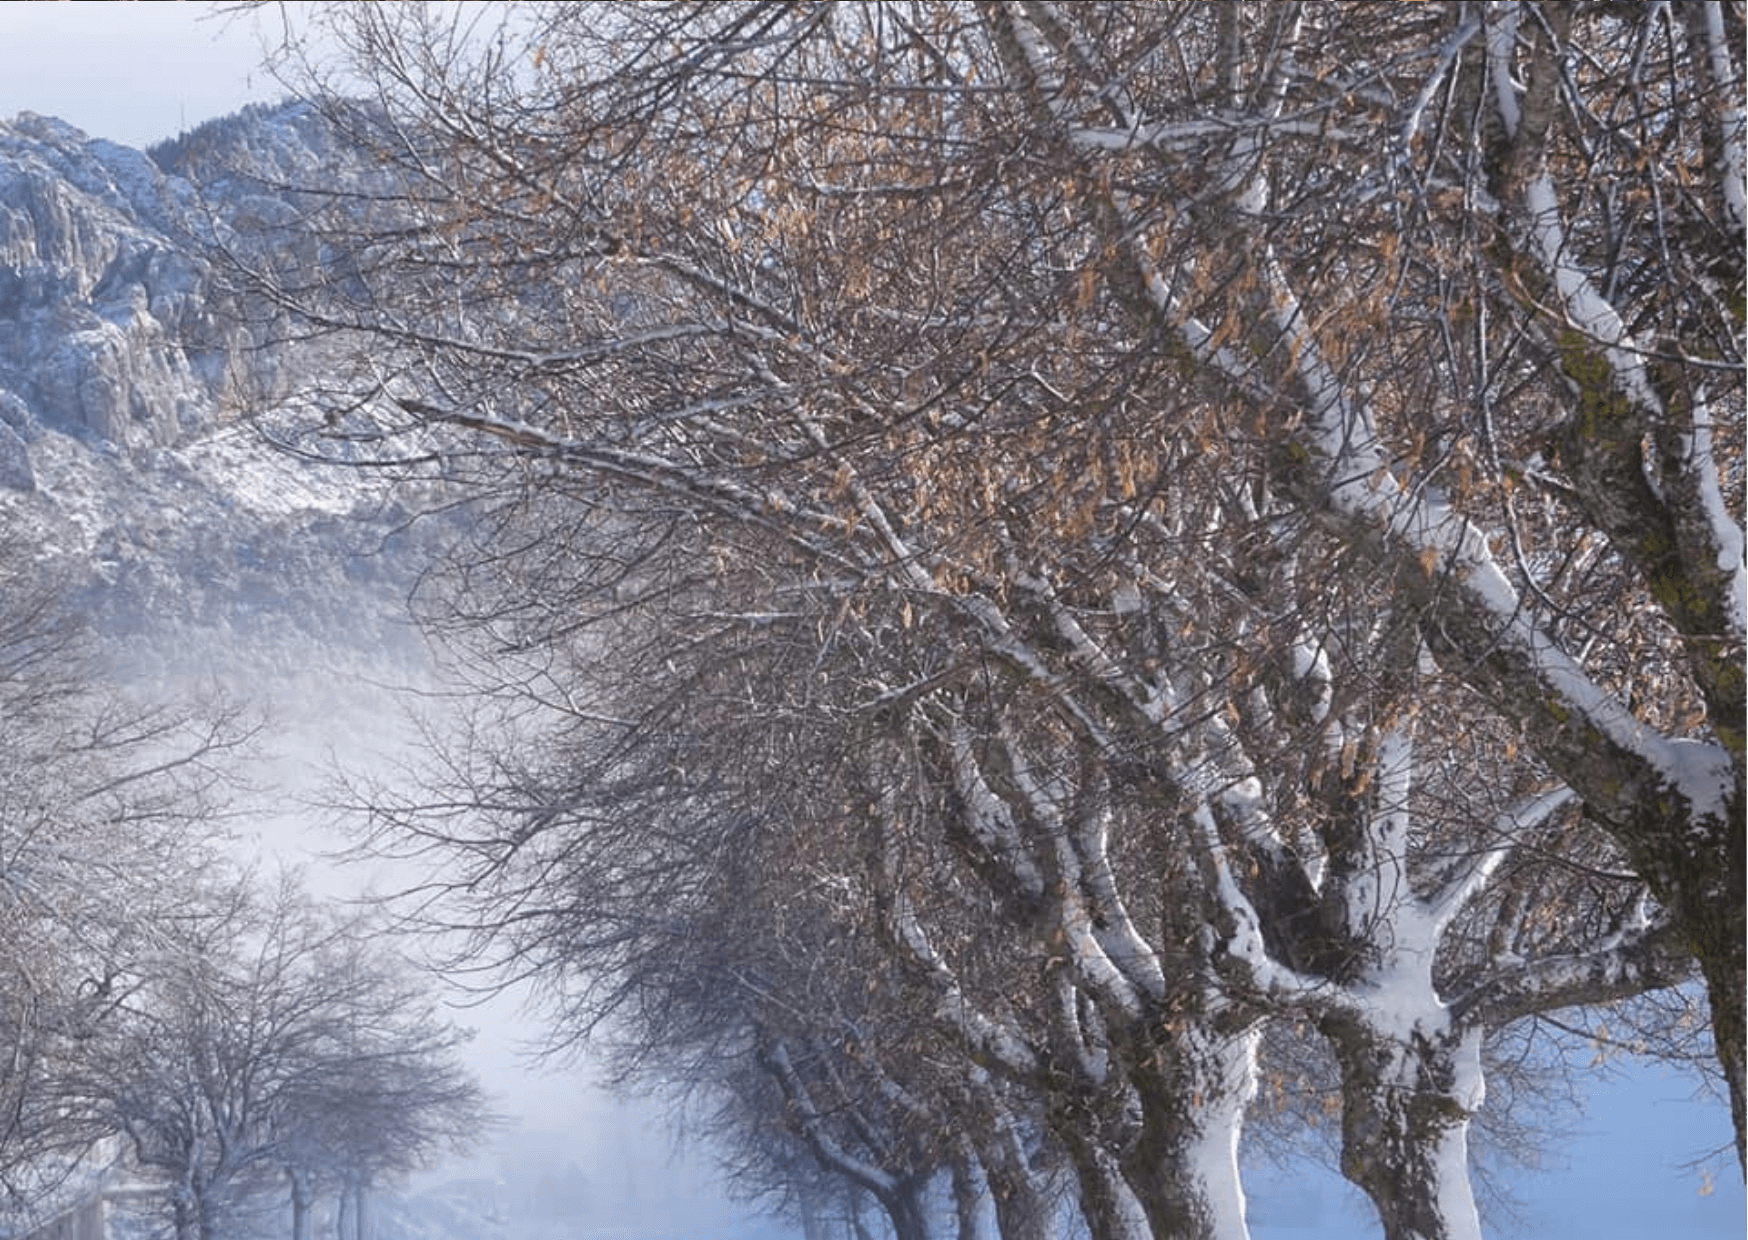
<point>1167,519</point>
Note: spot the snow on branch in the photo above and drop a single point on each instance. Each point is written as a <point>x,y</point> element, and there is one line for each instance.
<point>1113,927</point>
<point>812,1125</point>
<point>988,1038</point>
<point>988,819</point>
<point>1727,86</point>
<point>1509,828</point>
<point>1360,488</point>
<point>1242,932</point>
<point>768,508</point>
<point>1640,956</point>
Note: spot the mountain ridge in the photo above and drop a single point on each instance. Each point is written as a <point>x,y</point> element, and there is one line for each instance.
<point>126,452</point>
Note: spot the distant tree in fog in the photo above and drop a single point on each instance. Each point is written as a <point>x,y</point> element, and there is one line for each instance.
<point>386,1096</point>
<point>274,1039</point>
<point>107,818</point>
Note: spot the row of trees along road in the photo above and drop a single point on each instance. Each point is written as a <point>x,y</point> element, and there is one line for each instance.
<point>236,1041</point>
<point>1023,553</point>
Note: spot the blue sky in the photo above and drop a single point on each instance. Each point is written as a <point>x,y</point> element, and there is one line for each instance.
<point>1629,1172</point>
<point>139,72</point>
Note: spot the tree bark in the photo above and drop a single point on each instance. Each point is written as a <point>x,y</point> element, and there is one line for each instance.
<point>1184,1167</point>
<point>969,1190</point>
<point>904,1210</point>
<point>189,1206</point>
<point>1022,1212</point>
<point>300,1205</point>
<point>1717,934</point>
<point>1406,1106</point>
<point>1108,1206</point>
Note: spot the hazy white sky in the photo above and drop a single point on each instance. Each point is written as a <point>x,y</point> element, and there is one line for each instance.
<point>134,73</point>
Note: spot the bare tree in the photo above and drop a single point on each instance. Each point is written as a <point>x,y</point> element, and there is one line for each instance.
<point>1022,383</point>
<point>108,818</point>
<point>269,1038</point>
<point>385,1096</point>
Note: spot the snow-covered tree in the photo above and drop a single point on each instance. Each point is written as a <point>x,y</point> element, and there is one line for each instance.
<point>270,1038</point>
<point>1487,365</point>
<point>107,820</point>
<point>1024,390</point>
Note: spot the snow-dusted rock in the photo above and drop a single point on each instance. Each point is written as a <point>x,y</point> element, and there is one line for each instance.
<point>15,471</point>
<point>121,367</point>
<point>102,297</point>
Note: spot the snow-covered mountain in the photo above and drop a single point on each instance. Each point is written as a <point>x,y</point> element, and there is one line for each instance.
<point>123,377</point>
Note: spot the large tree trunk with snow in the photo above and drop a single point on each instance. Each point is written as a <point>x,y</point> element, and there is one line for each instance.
<point>1407,1099</point>
<point>183,1221</point>
<point>1178,1178</point>
<point>1728,991</point>
<point>191,1202</point>
<point>1698,871</point>
<point>1108,1205</point>
<point>1184,1166</point>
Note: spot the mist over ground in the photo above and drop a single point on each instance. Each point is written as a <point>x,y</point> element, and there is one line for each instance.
<point>571,1156</point>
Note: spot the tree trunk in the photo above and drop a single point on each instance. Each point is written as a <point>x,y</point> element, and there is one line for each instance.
<point>1406,1106</point>
<point>1728,994</point>
<point>812,1225</point>
<point>1710,903</point>
<point>904,1210</point>
<point>1184,1168</point>
<point>185,1219</point>
<point>300,1205</point>
<point>1178,1179</point>
<point>861,1228</point>
<point>1107,1205</point>
<point>1022,1212</point>
<point>970,1188</point>
<point>188,1206</point>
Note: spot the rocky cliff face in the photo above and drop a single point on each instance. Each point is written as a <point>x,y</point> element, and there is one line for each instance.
<point>122,373</point>
<point>100,299</point>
